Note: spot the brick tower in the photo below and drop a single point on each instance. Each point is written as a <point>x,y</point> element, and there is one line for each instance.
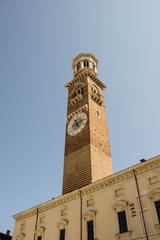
<point>87,149</point>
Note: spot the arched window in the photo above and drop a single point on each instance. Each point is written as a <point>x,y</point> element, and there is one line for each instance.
<point>86,63</point>
<point>95,90</point>
<point>78,66</point>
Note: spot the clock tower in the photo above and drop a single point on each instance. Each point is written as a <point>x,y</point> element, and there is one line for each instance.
<point>87,149</point>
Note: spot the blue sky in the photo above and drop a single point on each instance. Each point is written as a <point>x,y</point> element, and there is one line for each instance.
<point>38,40</point>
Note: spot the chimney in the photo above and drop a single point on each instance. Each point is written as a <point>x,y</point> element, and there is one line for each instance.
<point>8,232</point>
<point>142,160</point>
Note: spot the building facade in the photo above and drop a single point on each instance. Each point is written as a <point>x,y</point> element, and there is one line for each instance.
<point>5,236</point>
<point>95,204</point>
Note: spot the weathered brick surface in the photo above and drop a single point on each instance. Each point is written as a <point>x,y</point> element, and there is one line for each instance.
<point>87,154</point>
<point>77,169</point>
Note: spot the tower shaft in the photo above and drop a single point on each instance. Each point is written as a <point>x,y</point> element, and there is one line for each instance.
<point>87,150</point>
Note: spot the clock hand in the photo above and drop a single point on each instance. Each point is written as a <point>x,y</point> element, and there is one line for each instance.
<point>76,123</point>
<point>81,120</point>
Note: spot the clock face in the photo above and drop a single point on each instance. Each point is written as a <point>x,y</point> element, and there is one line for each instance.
<point>77,123</point>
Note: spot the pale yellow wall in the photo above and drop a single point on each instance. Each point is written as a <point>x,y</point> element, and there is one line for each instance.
<point>100,201</point>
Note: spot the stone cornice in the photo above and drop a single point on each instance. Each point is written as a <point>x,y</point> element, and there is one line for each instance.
<point>122,175</point>
<point>84,55</point>
<point>80,109</point>
<point>47,205</point>
<point>83,74</point>
<point>93,187</point>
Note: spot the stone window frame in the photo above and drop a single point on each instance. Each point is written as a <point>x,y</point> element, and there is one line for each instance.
<point>86,63</point>
<point>95,90</point>
<point>154,195</point>
<point>20,236</point>
<point>41,220</point>
<point>153,179</point>
<point>63,211</point>
<point>120,206</point>
<point>78,66</point>
<point>90,215</point>
<point>90,202</point>
<point>63,224</point>
<point>76,94</point>
<point>40,232</point>
<point>119,192</point>
<point>23,227</point>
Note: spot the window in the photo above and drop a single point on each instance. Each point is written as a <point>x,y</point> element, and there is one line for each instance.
<point>78,66</point>
<point>77,92</point>
<point>97,113</point>
<point>95,90</point>
<point>122,222</point>
<point>86,64</point>
<point>157,205</point>
<point>39,238</point>
<point>62,234</point>
<point>90,230</point>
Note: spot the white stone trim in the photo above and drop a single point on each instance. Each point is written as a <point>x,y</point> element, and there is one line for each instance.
<point>154,194</point>
<point>20,236</point>
<point>84,108</point>
<point>62,224</point>
<point>120,205</point>
<point>96,186</point>
<point>125,235</point>
<point>90,215</point>
<point>39,232</point>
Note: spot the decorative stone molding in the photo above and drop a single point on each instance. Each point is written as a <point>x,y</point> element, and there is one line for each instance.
<point>124,236</point>
<point>77,86</point>
<point>90,201</point>
<point>25,214</point>
<point>73,82</point>
<point>62,224</point>
<point>63,211</point>
<point>83,74</point>
<point>39,231</point>
<point>90,215</point>
<point>118,191</point>
<point>83,55</point>
<point>20,236</point>
<point>148,165</point>
<point>41,222</point>
<point>121,176</point>
<point>157,226</point>
<point>48,205</point>
<point>84,108</point>
<point>132,209</point>
<point>154,194</point>
<point>120,205</point>
<point>153,179</point>
<point>107,181</point>
<point>22,228</point>
<point>76,99</point>
<point>98,185</point>
<point>96,96</point>
<point>98,99</point>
